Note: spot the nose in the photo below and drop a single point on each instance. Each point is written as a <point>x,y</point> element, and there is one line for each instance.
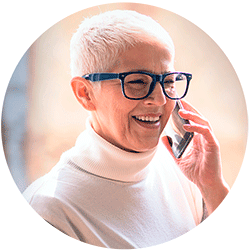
<point>157,97</point>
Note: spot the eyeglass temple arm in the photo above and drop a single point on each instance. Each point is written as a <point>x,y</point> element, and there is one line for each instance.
<point>95,77</point>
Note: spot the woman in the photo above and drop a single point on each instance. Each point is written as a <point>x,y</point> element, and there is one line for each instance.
<point>120,186</point>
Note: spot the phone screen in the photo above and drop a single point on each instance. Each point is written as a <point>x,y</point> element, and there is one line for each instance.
<point>179,138</point>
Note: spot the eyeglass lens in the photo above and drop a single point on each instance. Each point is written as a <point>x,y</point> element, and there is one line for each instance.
<point>137,85</point>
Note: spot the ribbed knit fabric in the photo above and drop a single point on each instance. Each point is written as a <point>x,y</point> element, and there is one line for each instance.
<point>102,195</point>
<point>106,160</point>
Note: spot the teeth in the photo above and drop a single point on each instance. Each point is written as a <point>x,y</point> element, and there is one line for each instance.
<point>147,118</point>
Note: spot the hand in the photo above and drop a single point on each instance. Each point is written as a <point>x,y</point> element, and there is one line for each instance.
<point>201,163</point>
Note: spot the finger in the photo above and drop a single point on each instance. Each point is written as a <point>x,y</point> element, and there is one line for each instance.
<point>188,107</point>
<point>194,117</point>
<point>205,131</point>
<point>191,113</point>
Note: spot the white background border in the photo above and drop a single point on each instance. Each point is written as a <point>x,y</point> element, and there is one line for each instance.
<point>22,22</point>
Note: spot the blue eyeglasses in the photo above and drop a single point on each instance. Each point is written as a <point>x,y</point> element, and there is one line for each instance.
<point>139,85</point>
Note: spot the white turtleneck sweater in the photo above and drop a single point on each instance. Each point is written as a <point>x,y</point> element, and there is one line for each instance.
<point>102,195</point>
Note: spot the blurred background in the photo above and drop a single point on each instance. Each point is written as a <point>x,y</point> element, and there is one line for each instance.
<point>41,118</point>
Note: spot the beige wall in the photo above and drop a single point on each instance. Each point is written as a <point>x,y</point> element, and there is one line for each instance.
<point>55,118</point>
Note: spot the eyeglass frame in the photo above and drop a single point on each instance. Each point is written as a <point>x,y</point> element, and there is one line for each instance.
<point>97,77</point>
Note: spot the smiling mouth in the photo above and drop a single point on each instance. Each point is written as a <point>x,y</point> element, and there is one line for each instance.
<point>147,119</point>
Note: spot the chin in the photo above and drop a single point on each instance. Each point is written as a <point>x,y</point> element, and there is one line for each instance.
<point>145,147</point>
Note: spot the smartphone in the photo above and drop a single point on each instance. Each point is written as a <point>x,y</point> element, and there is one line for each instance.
<point>179,139</point>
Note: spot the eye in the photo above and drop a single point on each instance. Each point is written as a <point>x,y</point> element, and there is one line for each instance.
<point>169,82</point>
<point>136,81</point>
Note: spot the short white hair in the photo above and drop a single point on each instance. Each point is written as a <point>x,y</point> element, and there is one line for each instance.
<point>101,39</point>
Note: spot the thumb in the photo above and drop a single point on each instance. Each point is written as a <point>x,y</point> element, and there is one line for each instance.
<point>167,141</point>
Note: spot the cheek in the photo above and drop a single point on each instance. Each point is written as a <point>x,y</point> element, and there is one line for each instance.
<point>171,104</point>
<point>169,109</point>
<point>124,118</point>
<point>117,111</point>
<point>107,100</point>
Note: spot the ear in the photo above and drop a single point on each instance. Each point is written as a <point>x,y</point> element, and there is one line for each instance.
<point>83,92</point>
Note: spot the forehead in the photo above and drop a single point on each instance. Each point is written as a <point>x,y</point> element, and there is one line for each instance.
<point>151,56</point>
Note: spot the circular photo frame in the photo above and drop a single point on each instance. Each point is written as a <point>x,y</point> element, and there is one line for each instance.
<point>41,119</point>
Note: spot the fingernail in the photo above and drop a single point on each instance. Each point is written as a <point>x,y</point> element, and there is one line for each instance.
<point>186,126</point>
<point>183,111</point>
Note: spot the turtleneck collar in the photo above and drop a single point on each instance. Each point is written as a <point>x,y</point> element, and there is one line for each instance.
<point>95,155</point>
